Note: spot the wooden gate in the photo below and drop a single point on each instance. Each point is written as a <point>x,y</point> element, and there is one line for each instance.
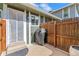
<point>2,35</point>
<point>50,27</point>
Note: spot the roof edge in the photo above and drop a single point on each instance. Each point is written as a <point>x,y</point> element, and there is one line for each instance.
<point>42,11</point>
<point>62,7</point>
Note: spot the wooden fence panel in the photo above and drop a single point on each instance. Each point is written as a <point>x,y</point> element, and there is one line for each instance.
<point>2,36</point>
<point>51,33</point>
<point>0,31</point>
<point>64,33</point>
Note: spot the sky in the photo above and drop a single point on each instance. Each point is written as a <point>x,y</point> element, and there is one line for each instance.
<point>49,6</point>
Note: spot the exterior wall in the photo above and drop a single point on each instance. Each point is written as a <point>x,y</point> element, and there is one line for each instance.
<point>65,13</point>
<point>77,8</point>
<point>41,19</point>
<point>34,19</point>
<point>10,26</point>
<point>1,8</point>
<point>33,29</point>
<point>58,13</point>
<point>1,5</point>
<point>16,26</point>
<point>72,12</point>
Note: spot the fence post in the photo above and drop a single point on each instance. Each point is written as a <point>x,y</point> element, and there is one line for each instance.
<point>55,41</point>
<point>61,44</point>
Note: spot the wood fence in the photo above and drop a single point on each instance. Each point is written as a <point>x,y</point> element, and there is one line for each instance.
<point>63,34</point>
<point>2,36</point>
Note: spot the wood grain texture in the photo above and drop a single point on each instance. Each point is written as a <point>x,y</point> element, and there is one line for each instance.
<point>64,33</point>
<point>2,35</point>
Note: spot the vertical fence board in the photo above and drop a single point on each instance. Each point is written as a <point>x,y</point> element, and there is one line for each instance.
<point>2,36</point>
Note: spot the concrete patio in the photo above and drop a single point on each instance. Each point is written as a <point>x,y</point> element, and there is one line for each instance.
<point>46,50</point>
<point>37,50</point>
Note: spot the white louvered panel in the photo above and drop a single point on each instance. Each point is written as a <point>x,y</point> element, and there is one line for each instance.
<point>16,25</point>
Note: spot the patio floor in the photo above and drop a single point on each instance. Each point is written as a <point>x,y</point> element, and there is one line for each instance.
<point>38,50</point>
<point>46,50</point>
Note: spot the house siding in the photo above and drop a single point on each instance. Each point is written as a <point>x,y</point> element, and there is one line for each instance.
<point>72,11</point>
<point>1,5</point>
<point>58,13</point>
<point>77,8</point>
<point>65,13</point>
<point>1,8</point>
